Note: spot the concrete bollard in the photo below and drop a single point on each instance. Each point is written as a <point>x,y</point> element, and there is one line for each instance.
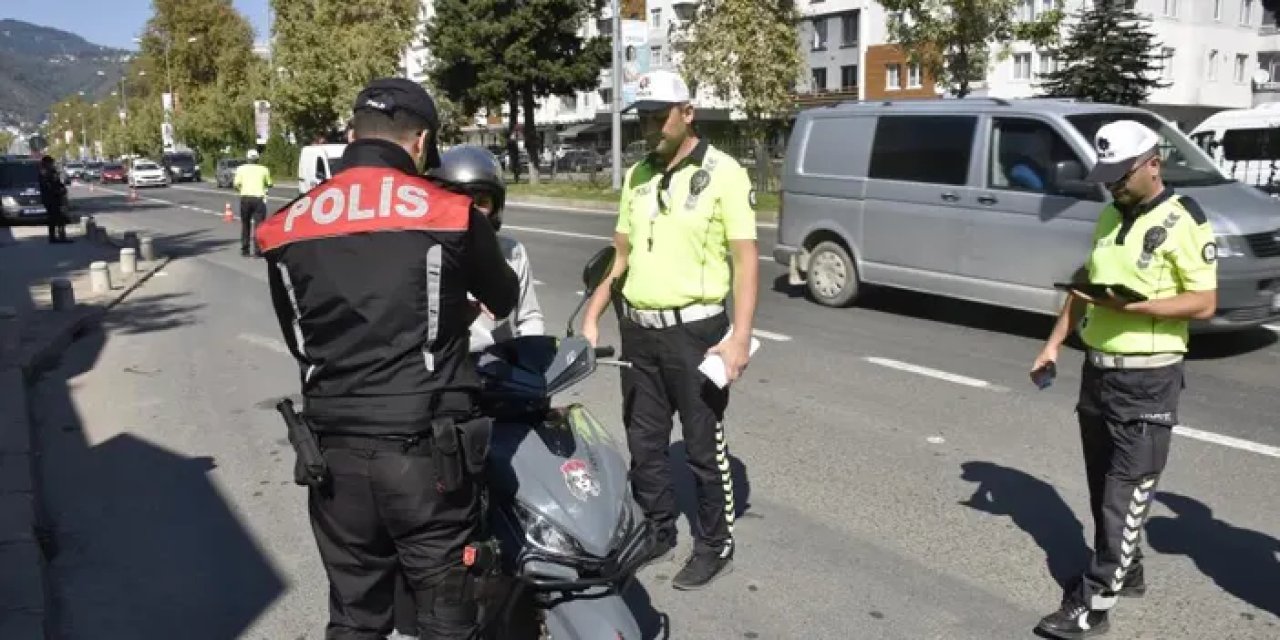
<point>128,261</point>
<point>99,277</point>
<point>62,295</point>
<point>86,225</point>
<point>146,249</point>
<point>130,240</point>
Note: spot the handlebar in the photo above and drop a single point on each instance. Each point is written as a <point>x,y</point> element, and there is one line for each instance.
<point>605,352</point>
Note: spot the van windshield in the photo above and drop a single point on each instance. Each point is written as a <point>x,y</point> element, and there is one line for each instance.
<point>1185,165</point>
<point>184,161</point>
<point>19,175</point>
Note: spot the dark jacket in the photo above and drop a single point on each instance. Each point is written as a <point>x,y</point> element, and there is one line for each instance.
<point>369,274</point>
<point>52,191</point>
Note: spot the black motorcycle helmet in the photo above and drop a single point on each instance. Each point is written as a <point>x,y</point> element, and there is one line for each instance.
<point>475,171</point>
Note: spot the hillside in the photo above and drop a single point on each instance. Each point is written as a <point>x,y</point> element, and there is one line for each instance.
<point>40,66</point>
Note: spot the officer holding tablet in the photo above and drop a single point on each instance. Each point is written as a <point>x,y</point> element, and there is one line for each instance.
<point>1151,270</point>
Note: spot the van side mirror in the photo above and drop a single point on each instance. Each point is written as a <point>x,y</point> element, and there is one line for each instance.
<point>1068,180</point>
<point>598,268</point>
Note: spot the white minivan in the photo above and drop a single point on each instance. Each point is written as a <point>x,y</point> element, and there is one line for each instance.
<point>317,163</point>
<point>1245,143</point>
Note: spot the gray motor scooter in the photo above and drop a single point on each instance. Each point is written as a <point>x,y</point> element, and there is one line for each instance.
<point>560,506</point>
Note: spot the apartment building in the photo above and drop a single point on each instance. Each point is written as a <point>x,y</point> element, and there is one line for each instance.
<point>1266,80</point>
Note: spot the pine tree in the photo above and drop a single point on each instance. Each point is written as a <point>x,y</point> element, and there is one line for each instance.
<point>1110,57</point>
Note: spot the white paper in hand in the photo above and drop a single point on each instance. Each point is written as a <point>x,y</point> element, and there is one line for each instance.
<point>713,365</point>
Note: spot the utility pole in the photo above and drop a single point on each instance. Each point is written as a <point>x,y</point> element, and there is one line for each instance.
<point>617,94</point>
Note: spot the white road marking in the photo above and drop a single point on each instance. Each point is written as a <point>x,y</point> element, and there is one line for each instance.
<point>1228,441</point>
<point>567,234</point>
<point>537,282</point>
<point>934,373</point>
<point>1273,327</point>
<point>263,341</point>
<point>769,335</point>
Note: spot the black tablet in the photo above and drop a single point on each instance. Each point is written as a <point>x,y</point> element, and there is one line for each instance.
<point>1095,290</point>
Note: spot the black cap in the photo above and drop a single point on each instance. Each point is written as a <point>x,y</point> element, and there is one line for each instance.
<point>390,94</point>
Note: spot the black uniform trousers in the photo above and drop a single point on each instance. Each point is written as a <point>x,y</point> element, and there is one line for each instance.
<point>664,379</point>
<point>56,221</point>
<point>253,211</point>
<point>1126,422</point>
<point>385,518</point>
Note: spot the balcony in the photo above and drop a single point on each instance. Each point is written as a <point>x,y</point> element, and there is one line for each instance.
<point>684,9</point>
<point>822,97</point>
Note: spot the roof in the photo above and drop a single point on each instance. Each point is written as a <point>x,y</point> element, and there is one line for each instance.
<point>976,105</point>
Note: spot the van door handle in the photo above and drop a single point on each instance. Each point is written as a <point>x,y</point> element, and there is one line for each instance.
<point>950,196</point>
<point>987,199</point>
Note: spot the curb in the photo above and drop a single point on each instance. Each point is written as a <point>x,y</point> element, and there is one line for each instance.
<point>27,543</point>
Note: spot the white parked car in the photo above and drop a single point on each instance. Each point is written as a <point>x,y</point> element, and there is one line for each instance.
<point>146,173</point>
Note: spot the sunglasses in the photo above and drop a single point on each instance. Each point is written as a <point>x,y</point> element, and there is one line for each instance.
<point>1129,174</point>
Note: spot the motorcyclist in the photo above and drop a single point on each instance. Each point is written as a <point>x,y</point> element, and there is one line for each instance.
<point>477,172</point>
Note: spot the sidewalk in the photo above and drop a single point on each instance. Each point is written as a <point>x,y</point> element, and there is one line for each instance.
<point>32,337</point>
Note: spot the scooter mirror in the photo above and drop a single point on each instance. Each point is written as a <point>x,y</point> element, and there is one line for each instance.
<point>598,268</point>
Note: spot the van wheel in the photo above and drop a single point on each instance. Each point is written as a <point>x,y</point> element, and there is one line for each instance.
<point>832,277</point>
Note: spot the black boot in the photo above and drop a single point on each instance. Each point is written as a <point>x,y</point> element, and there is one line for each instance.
<point>1134,585</point>
<point>703,567</point>
<point>663,549</point>
<point>1074,620</point>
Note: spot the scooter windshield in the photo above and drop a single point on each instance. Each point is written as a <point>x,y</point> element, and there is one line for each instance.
<point>535,366</point>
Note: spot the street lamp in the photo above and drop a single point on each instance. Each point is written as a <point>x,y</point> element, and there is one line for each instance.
<point>124,97</point>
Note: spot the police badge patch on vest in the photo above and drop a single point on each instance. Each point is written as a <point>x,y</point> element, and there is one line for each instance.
<point>1209,252</point>
<point>1151,241</point>
<point>697,184</point>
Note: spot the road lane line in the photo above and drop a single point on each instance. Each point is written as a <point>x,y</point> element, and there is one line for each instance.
<point>567,234</point>
<point>263,341</point>
<point>1273,327</point>
<point>769,335</point>
<point>934,373</point>
<point>1228,441</point>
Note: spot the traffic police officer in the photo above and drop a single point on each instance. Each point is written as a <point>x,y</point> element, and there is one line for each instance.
<point>685,210</point>
<point>1161,246</point>
<point>251,181</point>
<point>370,274</point>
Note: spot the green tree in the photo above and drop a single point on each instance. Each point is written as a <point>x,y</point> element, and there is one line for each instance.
<point>747,51</point>
<point>1110,56</point>
<point>953,40</point>
<point>6,140</point>
<point>489,52</point>
<point>326,50</point>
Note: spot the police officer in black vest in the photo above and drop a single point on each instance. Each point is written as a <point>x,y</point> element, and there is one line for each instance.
<point>369,274</point>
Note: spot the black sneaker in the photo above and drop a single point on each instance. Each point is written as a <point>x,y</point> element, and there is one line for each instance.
<point>1074,620</point>
<point>703,567</point>
<point>1134,585</point>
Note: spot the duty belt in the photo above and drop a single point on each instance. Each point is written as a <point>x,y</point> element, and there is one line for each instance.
<point>1140,361</point>
<point>663,318</point>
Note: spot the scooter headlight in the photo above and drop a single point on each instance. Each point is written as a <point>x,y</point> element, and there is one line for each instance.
<point>544,534</point>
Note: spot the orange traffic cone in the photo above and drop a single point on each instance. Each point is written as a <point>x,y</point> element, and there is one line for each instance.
<point>226,214</point>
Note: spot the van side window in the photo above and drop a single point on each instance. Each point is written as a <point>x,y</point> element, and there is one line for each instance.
<point>1205,140</point>
<point>1024,152</point>
<point>933,149</point>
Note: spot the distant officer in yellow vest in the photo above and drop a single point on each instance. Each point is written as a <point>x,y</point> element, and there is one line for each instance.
<point>1160,246</point>
<point>685,213</point>
<point>252,181</point>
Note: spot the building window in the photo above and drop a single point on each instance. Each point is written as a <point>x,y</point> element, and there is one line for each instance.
<point>849,29</point>
<point>1217,9</point>
<point>1213,65</point>
<point>655,57</point>
<point>1048,63</point>
<point>849,77</point>
<point>1246,10</point>
<point>893,76</point>
<point>655,18</point>
<point>819,79</point>
<point>1171,8</point>
<point>1166,63</point>
<point>1026,10</point>
<point>1047,5</point>
<point>914,76</point>
<point>819,34</point>
<point>1021,66</point>
<point>1241,61</point>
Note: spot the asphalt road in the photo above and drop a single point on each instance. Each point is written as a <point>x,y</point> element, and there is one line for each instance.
<point>900,477</point>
